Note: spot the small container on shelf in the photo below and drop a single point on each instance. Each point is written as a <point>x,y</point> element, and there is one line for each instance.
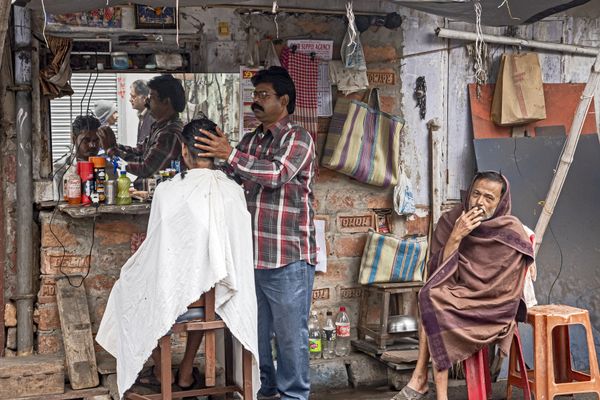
<point>120,60</point>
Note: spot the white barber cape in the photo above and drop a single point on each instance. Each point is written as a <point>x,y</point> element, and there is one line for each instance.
<point>199,236</point>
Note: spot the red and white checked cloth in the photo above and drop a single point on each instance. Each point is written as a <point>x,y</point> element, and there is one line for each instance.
<point>304,71</point>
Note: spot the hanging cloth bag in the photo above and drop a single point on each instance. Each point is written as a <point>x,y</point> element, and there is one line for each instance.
<point>519,92</point>
<point>369,147</point>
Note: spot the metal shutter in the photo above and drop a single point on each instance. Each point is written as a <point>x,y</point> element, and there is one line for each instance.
<point>64,110</point>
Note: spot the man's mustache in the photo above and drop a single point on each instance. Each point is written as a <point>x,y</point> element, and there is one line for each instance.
<point>256,106</point>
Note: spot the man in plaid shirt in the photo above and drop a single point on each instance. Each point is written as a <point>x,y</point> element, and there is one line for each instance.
<point>165,101</point>
<point>276,164</point>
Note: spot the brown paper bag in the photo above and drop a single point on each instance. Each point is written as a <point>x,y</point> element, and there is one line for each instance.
<point>519,93</point>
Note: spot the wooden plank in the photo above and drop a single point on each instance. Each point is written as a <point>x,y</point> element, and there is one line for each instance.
<point>400,356</point>
<point>77,334</point>
<point>39,375</point>
<point>562,100</point>
<point>70,394</point>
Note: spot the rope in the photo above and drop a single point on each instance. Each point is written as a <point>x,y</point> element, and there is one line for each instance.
<point>351,27</point>
<point>274,11</point>
<point>480,50</point>
<point>508,8</point>
<point>177,22</point>
<point>45,23</point>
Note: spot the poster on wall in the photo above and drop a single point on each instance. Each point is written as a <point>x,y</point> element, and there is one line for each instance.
<point>323,50</point>
<point>248,121</point>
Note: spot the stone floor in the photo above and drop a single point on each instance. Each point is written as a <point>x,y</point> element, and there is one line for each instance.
<point>454,393</point>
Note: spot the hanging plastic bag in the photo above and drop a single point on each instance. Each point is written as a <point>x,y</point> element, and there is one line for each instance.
<point>352,51</point>
<point>252,54</point>
<point>404,201</point>
<point>272,59</point>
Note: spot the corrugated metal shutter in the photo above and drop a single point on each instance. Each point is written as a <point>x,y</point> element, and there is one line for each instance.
<point>64,110</point>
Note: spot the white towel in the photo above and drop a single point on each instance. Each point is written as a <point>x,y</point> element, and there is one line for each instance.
<point>199,236</point>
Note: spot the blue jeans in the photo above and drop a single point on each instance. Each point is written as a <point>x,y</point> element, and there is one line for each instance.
<point>284,296</point>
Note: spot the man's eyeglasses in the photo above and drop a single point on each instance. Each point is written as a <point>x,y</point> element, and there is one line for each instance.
<point>261,94</point>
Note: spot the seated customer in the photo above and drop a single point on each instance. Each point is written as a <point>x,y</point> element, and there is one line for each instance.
<point>199,236</point>
<point>85,144</point>
<point>479,257</point>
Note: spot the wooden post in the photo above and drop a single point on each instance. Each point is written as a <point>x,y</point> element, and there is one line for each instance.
<point>4,18</point>
<point>437,169</point>
<point>566,158</point>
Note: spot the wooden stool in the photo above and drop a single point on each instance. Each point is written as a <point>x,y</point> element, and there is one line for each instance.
<point>552,374</point>
<point>209,325</point>
<point>477,375</point>
<point>387,291</point>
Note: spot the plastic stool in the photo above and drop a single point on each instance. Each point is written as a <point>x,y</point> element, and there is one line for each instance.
<point>477,375</point>
<point>517,370</point>
<point>552,374</point>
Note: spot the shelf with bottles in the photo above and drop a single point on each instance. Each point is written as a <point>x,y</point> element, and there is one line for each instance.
<point>81,211</point>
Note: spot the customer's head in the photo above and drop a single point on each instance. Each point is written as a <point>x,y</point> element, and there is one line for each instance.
<point>106,112</point>
<point>138,93</point>
<point>190,153</point>
<point>486,192</point>
<point>274,94</point>
<point>166,97</point>
<point>84,136</point>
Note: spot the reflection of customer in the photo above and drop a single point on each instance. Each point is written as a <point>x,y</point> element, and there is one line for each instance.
<point>137,97</point>
<point>106,112</point>
<point>165,101</point>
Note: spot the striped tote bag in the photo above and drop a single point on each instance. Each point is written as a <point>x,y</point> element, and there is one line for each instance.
<point>389,259</point>
<point>369,146</point>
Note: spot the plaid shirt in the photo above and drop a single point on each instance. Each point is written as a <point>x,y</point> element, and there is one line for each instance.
<point>277,168</point>
<point>157,150</point>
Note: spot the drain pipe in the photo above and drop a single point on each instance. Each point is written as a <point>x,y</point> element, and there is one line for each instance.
<point>25,296</point>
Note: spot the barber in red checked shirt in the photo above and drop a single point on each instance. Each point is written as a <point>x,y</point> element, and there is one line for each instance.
<point>276,164</point>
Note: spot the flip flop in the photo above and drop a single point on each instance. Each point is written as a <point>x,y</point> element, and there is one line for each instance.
<point>196,383</point>
<point>408,393</point>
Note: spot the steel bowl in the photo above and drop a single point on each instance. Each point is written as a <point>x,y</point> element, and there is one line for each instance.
<point>401,323</point>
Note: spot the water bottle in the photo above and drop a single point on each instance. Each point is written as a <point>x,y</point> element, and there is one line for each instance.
<point>342,330</point>
<point>123,183</point>
<point>314,336</point>
<point>328,337</point>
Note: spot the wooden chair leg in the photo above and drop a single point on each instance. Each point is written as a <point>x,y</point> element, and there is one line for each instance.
<point>209,352</point>
<point>247,373</point>
<point>165,367</point>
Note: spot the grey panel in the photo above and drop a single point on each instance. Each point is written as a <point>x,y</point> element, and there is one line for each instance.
<point>529,164</point>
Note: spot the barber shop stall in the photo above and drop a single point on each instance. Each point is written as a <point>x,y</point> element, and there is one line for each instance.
<point>405,101</point>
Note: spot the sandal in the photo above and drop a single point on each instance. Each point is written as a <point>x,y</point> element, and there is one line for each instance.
<point>196,383</point>
<point>408,393</point>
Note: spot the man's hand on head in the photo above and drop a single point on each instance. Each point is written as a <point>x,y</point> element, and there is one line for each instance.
<point>216,146</point>
<point>107,137</point>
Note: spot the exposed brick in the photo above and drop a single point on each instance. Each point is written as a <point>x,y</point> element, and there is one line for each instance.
<point>357,222</point>
<point>10,315</point>
<point>100,283</point>
<point>342,271</point>
<point>50,342</point>
<point>60,231</point>
<point>417,225</point>
<point>10,167</point>
<point>380,200</point>
<point>48,317</point>
<point>350,245</point>
<point>116,232</point>
<point>341,201</point>
<point>375,54</point>
<point>387,104</point>
<point>47,292</point>
<point>55,263</point>
<point>314,26</point>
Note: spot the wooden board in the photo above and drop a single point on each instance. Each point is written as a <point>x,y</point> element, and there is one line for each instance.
<point>562,100</point>
<point>77,334</point>
<point>71,394</point>
<point>39,375</point>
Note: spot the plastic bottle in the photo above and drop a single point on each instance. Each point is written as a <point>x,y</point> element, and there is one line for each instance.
<point>328,337</point>
<point>72,186</point>
<point>314,336</point>
<point>342,330</point>
<point>123,183</point>
<point>86,173</point>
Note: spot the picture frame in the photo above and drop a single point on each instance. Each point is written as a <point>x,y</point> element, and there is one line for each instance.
<point>147,17</point>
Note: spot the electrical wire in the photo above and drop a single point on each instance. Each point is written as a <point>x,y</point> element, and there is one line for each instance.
<point>532,186</point>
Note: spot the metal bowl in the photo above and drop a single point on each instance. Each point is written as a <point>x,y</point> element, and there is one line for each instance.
<point>401,323</point>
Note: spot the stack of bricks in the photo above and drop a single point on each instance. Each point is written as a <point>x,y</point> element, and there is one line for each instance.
<point>10,324</point>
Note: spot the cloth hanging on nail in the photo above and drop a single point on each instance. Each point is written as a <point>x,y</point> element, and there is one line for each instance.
<point>304,71</point>
<point>54,78</point>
